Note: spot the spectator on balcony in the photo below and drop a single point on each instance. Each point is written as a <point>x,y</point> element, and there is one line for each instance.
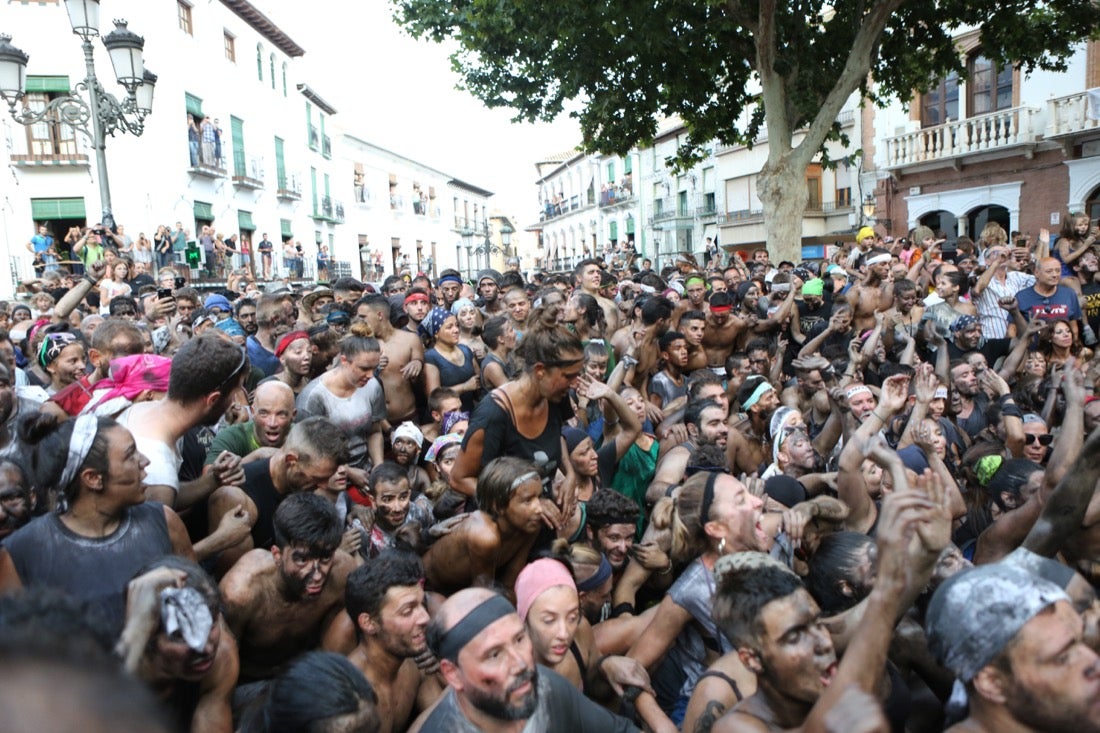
<point>323,259</point>
<point>299,259</point>
<point>289,254</point>
<point>265,248</point>
<point>217,143</point>
<point>194,136</point>
<point>226,248</point>
<point>209,139</point>
<point>42,244</point>
<point>206,243</point>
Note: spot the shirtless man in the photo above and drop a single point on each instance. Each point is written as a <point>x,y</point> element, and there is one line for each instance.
<point>695,287</point>
<point>874,292</point>
<point>279,603</point>
<point>693,325</point>
<point>588,277</point>
<point>706,425</point>
<point>720,332</point>
<point>749,445</point>
<point>386,603</point>
<point>417,304</point>
<point>493,543</point>
<point>404,356</point>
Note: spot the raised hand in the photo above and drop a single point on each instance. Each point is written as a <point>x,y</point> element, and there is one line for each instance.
<point>926,383</point>
<point>894,393</point>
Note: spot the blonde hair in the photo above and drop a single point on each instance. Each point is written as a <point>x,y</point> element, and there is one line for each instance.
<point>993,234</point>
<point>689,538</point>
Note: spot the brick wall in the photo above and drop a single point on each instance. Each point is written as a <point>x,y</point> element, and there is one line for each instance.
<point>1045,187</point>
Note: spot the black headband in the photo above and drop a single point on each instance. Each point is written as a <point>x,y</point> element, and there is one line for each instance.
<point>458,636</point>
<point>603,572</point>
<point>708,498</point>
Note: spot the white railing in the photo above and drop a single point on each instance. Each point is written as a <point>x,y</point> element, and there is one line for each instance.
<point>1069,115</point>
<point>979,134</point>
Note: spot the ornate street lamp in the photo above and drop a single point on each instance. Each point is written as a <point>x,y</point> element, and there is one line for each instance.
<point>101,114</point>
<point>868,208</point>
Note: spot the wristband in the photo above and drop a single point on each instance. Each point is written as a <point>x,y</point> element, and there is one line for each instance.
<point>1011,410</point>
<point>90,280</point>
<point>621,609</point>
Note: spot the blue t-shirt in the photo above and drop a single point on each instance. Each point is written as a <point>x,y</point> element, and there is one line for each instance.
<point>1063,305</point>
<point>261,357</point>
<point>40,243</point>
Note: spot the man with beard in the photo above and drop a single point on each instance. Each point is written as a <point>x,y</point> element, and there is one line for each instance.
<point>385,601</point>
<point>448,287</point>
<point>488,662</point>
<point>488,287</point>
<point>272,415</point>
<point>313,450</point>
<point>176,641</point>
<point>972,400</point>
<point>1015,641</point>
<point>245,309</point>
<point>16,500</point>
<point>722,330</point>
<point>966,337</point>
<point>762,607</point>
<point>1084,270</point>
<point>705,421</point>
<point>279,602</point>
<point>393,510</point>
<point>404,354</point>
<point>206,371</point>
<point>749,441</point>
<point>612,524</point>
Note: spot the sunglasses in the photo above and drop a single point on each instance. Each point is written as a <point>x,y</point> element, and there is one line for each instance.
<point>1043,440</point>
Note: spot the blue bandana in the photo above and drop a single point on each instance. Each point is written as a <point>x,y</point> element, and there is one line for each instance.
<point>434,321</point>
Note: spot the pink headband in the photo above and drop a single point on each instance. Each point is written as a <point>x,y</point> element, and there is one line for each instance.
<point>537,578</point>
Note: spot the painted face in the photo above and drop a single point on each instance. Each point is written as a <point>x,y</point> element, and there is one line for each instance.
<point>800,451</point>
<point>303,571</point>
<point>15,502</point>
<point>968,338</point>
<point>392,499</point>
<point>615,541</point>
<point>965,380</point>
<point>488,289</point>
<point>467,319</point>
<point>1036,364</point>
<point>696,291</point>
<point>496,671</point>
<point>449,291</point>
<point>405,451</point>
<point>176,660</point>
<point>524,510</point>
<point>552,623</point>
<point>1055,679</point>
<point>862,404</point>
<point>939,442</point>
<point>796,650</point>
<point>298,357</point>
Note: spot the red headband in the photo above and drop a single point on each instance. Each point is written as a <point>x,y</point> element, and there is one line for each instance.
<point>414,297</point>
<point>721,308</point>
<point>286,341</point>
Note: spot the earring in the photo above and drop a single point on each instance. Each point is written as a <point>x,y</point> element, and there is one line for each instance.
<point>722,546</point>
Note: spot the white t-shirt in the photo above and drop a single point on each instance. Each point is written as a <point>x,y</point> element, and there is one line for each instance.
<point>164,460</point>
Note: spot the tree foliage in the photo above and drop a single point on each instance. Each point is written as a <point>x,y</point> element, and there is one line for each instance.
<point>632,62</point>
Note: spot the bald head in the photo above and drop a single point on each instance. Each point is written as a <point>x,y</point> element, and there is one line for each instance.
<point>456,608</point>
<point>273,413</point>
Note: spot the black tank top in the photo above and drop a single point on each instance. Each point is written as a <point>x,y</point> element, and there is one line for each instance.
<point>47,554</point>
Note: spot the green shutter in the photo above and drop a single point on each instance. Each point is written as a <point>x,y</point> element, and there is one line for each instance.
<point>313,187</point>
<point>280,164</point>
<point>193,103</point>
<point>630,225</point>
<point>286,228</point>
<point>58,84</point>
<point>204,211</point>
<point>628,165</point>
<point>614,230</point>
<point>244,221</point>
<point>48,209</point>
<point>611,172</point>
<point>240,167</point>
<point>317,237</point>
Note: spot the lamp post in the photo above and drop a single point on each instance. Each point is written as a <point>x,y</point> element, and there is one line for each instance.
<point>868,208</point>
<point>101,114</point>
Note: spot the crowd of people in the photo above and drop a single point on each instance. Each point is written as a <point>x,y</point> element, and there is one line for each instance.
<point>855,495</point>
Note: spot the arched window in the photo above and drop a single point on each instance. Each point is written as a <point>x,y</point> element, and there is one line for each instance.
<point>260,61</point>
<point>284,78</point>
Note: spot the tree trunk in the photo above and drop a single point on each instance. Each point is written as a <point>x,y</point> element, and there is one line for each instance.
<point>782,190</point>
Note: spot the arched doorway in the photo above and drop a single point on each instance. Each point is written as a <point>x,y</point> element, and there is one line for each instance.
<point>1092,204</point>
<point>978,218</point>
<point>941,221</point>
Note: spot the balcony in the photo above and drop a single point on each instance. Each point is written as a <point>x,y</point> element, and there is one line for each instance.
<point>326,146</point>
<point>314,138</point>
<point>742,216</point>
<point>207,170</point>
<point>329,209</point>
<point>1069,116</point>
<point>989,133</point>
<point>290,188</point>
<point>249,174</point>
<point>616,195</point>
<point>828,208</point>
<point>467,226</point>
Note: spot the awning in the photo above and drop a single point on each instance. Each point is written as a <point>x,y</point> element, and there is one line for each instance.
<point>46,209</point>
<point>193,104</point>
<point>286,228</point>
<point>244,221</point>
<point>204,211</point>
<point>58,84</point>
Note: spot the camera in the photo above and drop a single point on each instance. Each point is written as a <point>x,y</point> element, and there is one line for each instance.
<point>179,282</point>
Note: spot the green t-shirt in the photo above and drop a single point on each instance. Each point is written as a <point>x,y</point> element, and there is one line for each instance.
<point>239,439</point>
